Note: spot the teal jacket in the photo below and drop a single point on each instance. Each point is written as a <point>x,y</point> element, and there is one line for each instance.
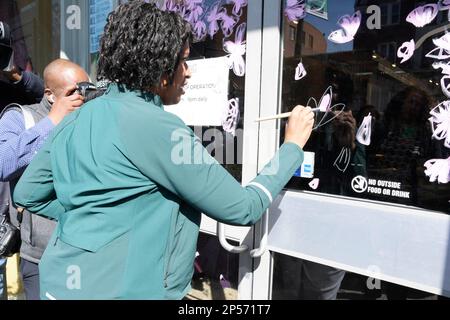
<point>127,182</point>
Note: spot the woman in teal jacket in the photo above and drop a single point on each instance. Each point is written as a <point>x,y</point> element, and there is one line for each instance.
<point>123,177</point>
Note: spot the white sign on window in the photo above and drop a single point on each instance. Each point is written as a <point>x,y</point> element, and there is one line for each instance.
<point>205,102</point>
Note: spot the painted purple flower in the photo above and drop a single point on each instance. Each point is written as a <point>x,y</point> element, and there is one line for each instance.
<point>191,4</point>
<point>199,30</point>
<point>444,5</point>
<point>194,14</point>
<point>349,27</point>
<point>423,15</point>
<point>295,9</point>
<point>236,51</point>
<point>228,23</point>
<point>171,6</point>
<point>238,5</point>
<point>213,18</point>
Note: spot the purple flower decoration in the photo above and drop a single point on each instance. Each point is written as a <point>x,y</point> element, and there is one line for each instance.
<point>238,5</point>
<point>228,23</point>
<point>423,15</point>
<point>191,4</point>
<point>213,18</point>
<point>349,27</point>
<point>194,14</point>
<point>171,6</point>
<point>199,30</point>
<point>295,9</point>
<point>444,5</point>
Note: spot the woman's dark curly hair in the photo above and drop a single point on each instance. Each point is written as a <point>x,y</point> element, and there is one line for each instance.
<point>140,44</point>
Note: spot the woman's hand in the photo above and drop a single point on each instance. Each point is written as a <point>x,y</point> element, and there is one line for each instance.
<point>299,126</point>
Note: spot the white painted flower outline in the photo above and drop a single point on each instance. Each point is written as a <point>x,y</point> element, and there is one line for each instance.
<point>406,51</point>
<point>236,51</point>
<point>364,133</point>
<point>438,170</point>
<point>300,72</point>
<point>440,122</point>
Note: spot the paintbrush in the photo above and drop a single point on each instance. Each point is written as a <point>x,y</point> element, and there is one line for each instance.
<point>281,116</point>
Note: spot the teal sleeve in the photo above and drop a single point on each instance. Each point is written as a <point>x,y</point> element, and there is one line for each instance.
<point>35,190</point>
<point>169,154</point>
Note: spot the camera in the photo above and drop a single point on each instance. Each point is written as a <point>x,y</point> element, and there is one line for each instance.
<point>9,238</point>
<point>89,91</point>
<point>6,50</point>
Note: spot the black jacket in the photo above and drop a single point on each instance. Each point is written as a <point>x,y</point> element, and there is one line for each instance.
<point>29,90</point>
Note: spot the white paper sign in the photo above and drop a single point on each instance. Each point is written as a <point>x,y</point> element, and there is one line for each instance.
<point>205,102</point>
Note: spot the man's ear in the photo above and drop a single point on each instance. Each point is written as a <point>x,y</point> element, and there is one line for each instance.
<point>50,96</point>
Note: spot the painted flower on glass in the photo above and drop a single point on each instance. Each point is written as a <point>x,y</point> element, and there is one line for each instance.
<point>406,51</point>
<point>423,15</point>
<point>232,117</point>
<point>438,170</point>
<point>295,10</point>
<point>236,51</point>
<point>300,72</point>
<point>238,5</point>
<point>440,122</point>
<point>349,27</point>
<point>364,133</point>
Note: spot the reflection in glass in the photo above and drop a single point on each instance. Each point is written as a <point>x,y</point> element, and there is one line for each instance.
<point>379,146</point>
<point>382,83</point>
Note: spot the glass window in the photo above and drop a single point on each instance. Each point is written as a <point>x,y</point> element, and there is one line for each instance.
<point>292,33</point>
<point>395,13</point>
<point>376,141</point>
<point>384,14</point>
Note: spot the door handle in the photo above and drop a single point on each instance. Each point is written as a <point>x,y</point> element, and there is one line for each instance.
<point>258,252</point>
<point>224,242</point>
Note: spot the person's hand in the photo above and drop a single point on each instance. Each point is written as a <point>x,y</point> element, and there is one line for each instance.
<point>299,126</point>
<point>67,103</point>
<point>13,75</point>
<point>345,129</point>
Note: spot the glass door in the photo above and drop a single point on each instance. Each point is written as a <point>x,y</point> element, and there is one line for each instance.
<point>221,100</point>
<point>368,209</point>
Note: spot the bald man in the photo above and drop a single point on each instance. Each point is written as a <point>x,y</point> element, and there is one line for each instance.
<point>23,130</point>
